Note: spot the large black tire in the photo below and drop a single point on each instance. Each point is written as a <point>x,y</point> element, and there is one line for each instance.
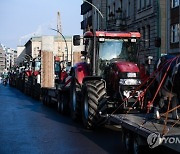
<point>62,104</point>
<point>133,142</point>
<point>94,99</point>
<point>37,91</point>
<point>45,98</point>
<point>75,107</point>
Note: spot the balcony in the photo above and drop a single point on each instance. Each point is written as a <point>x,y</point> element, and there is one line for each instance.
<point>85,7</point>
<point>116,21</point>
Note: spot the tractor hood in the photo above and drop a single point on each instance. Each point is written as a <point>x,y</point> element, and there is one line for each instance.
<point>126,67</point>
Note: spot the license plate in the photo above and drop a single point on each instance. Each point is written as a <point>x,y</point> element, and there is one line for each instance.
<point>131,75</point>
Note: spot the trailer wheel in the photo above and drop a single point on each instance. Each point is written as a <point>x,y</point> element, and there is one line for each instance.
<point>44,100</point>
<point>93,96</point>
<point>128,141</point>
<point>136,147</point>
<point>131,143</point>
<point>62,104</point>
<point>74,100</point>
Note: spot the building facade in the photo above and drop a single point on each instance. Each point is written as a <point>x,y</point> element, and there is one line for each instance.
<point>11,56</point>
<point>146,16</point>
<point>173,27</point>
<point>94,18</point>
<point>61,48</point>
<point>87,12</point>
<point>2,59</point>
<point>156,20</point>
<point>7,58</point>
<point>21,51</point>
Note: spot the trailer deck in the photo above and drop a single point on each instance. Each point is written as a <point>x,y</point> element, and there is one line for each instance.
<point>143,125</point>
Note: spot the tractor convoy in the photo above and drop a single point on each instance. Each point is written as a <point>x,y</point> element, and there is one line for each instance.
<point>109,86</point>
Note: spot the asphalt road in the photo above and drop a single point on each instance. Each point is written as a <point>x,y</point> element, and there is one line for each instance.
<point>27,126</point>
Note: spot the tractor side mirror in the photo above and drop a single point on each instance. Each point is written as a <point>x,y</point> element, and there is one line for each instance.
<point>76,40</point>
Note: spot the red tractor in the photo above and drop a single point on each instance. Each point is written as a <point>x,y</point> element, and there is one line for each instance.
<point>28,78</point>
<point>108,77</point>
<point>36,78</point>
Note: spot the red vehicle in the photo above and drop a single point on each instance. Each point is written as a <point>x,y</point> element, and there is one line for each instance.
<point>58,94</point>
<point>36,78</point>
<point>107,81</point>
<point>28,78</point>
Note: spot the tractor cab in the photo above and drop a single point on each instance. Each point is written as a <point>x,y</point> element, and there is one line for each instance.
<point>60,70</point>
<point>104,48</point>
<point>36,66</point>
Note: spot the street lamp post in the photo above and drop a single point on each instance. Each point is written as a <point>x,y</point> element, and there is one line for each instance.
<point>64,40</point>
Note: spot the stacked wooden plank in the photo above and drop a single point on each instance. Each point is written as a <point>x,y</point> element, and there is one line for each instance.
<point>47,62</point>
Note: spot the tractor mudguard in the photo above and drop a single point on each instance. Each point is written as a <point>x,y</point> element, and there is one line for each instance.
<point>90,78</point>
<point>81,70</point>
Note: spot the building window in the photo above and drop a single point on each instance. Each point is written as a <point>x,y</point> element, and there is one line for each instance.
<point>148,3</point>
<point>174,3</point>
<point>139,5</point>
<point>128,9</point>
<point>109,11</point>
<point>120,5</point>
<point>175,32</point>
<point>143,4</point>
<point>114,8</point>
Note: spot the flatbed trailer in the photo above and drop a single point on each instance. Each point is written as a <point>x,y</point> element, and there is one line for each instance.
<point>137,127</point>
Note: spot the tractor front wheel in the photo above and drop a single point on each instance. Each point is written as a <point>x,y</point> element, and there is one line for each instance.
<point>93,97</point>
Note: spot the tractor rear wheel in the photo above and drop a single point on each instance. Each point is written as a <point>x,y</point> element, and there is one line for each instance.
<point>94,93</point>
<point>74,100</point>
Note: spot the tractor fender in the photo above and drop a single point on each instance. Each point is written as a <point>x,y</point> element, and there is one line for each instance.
<point>80,71</point>
<point>28,73</point>
<point>35,73</point>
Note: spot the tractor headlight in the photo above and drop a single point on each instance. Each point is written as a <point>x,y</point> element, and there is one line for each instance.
<point>129,82</point>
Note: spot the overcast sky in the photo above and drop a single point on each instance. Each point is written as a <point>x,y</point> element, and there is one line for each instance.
<point>22,19</point>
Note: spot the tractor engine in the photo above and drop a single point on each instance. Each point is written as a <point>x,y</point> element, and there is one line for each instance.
<point>129,80</point>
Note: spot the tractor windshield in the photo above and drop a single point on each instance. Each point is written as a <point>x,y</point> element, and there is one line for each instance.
<point>57,66</point>
<point>37,65</point>
<point>112,49</point>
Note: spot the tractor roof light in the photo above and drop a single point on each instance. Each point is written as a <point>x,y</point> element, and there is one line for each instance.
<point>101,39</point>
